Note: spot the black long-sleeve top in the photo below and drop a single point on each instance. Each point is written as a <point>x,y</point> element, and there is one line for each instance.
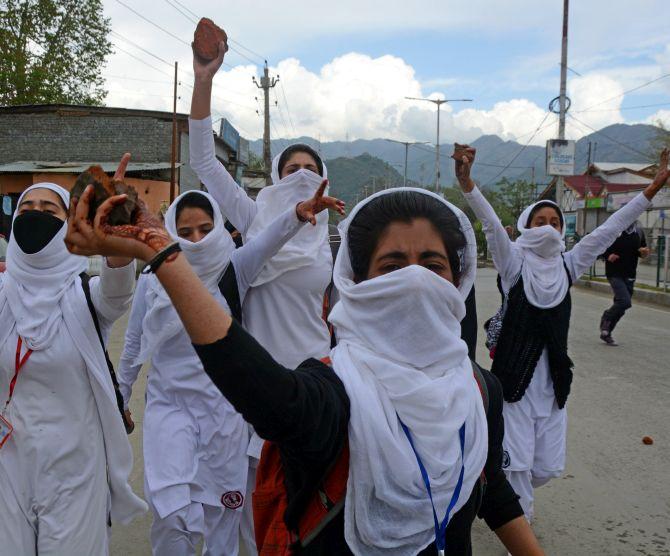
<point>627,246</point>
<point>306,412</point>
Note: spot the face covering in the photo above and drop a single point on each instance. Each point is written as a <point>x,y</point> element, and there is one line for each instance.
<point>208,257</point>
<point>545,280</point>
<point>400,356</point>
<point>306,246</point>
<point>34,229</point>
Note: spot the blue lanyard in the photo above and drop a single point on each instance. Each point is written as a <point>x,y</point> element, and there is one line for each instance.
<point>440,528</point>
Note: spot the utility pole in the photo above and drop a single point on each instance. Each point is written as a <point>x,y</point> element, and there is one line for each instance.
<point>439,103</point>
<point>562,97</point>
<point>266,84</point>
<point>407,144</point>
<point>173,156</point>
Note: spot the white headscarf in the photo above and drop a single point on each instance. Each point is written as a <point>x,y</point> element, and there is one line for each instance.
<point>400,355</point>
<point>40,293</point>
<point>36,283</point>
<point>209,258</point>
<point>545,280</point>
<point>304,248</point>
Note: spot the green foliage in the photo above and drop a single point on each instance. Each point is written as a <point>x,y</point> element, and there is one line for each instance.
<point>511,198</point>
<point>52,51</point>
<point>256,162</point>
<point>661,140</point>
<point>351,178</point>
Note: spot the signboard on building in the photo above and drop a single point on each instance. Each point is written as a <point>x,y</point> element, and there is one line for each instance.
<point>570,224</point>
<point>230,135</point>
<point>243,154</point>
<point>595,203</point>
<point>560,157</point>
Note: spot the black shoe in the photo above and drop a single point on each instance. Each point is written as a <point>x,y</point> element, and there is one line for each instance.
<point>606,337</point>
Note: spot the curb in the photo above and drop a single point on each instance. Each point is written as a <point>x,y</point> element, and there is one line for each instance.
<point>647,296</point>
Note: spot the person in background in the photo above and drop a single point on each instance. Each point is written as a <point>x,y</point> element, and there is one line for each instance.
<point>531,351</point>
<point>195,443</point>
<point>621,260</point>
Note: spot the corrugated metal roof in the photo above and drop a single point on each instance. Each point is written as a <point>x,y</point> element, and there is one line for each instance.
<point>622,166</point>
<point>49,167</point>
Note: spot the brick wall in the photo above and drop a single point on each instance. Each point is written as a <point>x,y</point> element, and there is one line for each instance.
<point>66,137</point>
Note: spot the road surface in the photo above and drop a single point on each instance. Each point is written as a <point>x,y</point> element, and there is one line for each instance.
<point>614,498</point>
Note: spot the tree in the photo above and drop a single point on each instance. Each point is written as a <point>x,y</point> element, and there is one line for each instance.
<point>52,51</point>
<point>514,197</point>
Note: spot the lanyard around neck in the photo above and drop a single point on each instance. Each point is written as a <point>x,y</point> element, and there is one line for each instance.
<point>440,527</point>
<point>19,362</point>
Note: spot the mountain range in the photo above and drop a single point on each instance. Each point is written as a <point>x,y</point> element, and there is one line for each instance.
<point>355,165</point>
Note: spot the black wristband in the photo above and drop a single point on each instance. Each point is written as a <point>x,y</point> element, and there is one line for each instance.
<point>159,259</point>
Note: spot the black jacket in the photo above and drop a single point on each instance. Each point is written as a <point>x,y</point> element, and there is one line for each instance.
<point>306,411</point>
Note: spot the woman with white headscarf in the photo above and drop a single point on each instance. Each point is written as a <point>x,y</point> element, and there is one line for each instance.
<point>287,305</point>
<point>361,456</point>
<point>195,443</point>
<point>531,354</point>
<point>64,468</point>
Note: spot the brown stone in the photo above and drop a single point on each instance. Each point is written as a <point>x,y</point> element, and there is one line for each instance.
<point>206,39</point>
<point>648,440</point>
<point>103,188</point>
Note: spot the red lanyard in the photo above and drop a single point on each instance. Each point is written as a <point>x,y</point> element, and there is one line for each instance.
<point>18,365</point>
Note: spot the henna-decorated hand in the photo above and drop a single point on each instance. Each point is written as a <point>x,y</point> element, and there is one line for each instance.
<point>141,240</point>
<point>307,210</point>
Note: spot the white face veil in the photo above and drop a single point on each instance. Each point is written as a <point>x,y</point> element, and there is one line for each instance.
<point>306,246</point>
<point>545,279</point>
<point>209,258</point>
<point>400,357</point>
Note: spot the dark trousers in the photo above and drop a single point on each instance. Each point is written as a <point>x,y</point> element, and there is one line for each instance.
<point>623,292</point>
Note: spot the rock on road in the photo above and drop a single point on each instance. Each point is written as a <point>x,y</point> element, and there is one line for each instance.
<point>614,498</point>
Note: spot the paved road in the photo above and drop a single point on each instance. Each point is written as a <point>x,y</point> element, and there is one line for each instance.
<point>614,499</point>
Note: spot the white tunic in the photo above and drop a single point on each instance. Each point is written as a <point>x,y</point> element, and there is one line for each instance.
<point>284,315</point>
<point>194,441</point>
<point>55,459</point>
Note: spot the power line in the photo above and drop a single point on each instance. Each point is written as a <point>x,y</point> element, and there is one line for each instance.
<point>142,48</point>
<point>628,91</point>
<point>624,108</point>
<point>194,19</point>
<point>140,60</point>
<point>518,153</point>
<point>288,111</point>
<point>645,155</point>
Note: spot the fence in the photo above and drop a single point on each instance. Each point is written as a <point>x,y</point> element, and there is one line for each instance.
<point>652,271</point>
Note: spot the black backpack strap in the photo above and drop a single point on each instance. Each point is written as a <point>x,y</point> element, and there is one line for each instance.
<point>335,241</point>
<point>85,278</point>
<point>481,382</point>
<point>231,292</point>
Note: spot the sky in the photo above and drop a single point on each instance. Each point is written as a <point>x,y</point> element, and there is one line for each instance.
<point>346,66</point>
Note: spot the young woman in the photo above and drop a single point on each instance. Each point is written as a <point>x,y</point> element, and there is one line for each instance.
<point>286,304</point>
<point>399,404</point>
<point>64,468</point>
<point>195,443</point>
<point>531,355</point>
<point>283,309</point>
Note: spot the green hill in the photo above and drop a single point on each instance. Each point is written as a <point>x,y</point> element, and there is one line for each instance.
<point>351,178</point>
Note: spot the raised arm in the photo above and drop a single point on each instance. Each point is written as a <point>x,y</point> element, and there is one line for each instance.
<point>233,200</point>
<point>128,368</point>
<point>584,254</point>
<point>252,256</point>
<point>499,243</point>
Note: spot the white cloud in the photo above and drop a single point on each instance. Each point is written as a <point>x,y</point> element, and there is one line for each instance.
<point>662,116</point>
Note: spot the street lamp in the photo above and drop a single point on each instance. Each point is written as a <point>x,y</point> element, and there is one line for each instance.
<point>407,144</point>
<point>439,103</point>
